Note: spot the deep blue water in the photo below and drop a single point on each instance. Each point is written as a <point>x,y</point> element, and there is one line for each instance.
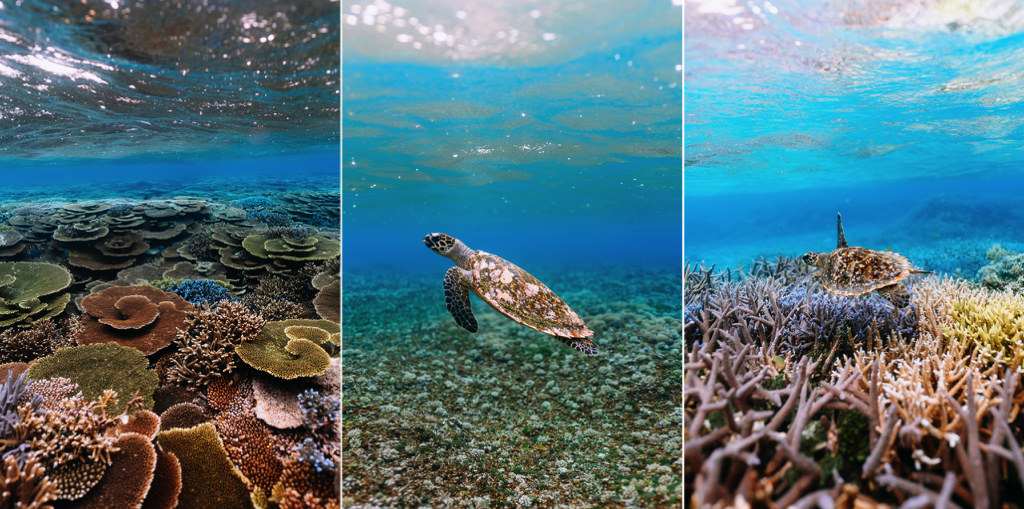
<point>547,132</point>
<point>903,116</point>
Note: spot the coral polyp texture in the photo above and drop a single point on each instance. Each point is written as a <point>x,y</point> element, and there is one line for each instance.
<point>120,385</point>
<point>797,397</point>
<point>292,348</point>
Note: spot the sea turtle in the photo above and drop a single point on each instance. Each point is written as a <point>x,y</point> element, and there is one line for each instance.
<point>855,271</point>
<point>510,290</point>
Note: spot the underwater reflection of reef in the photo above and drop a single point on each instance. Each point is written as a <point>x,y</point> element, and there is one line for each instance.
<point>507,417</point>
<point>121,327</point>
<point>794,396</point>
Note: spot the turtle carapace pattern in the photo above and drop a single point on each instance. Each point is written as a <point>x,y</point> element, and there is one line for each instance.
<point>852,271</point>
<point>510,290</point>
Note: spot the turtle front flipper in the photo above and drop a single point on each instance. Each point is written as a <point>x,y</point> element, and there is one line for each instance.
<point>456,298</point>
<point>582,345</point>
<point>897,294</point>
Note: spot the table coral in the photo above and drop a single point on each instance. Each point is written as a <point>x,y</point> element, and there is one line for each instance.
<point>166,485</point>
<point>31,291</point>
<point>128,476</point>
<point>207,476</point>
<point>143,317</point>
<point>97,368</point>
<point>294,355</point>
<point>291,248</point>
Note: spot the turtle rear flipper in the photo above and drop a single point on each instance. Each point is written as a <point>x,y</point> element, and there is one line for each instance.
<point>897,294</point>
<point>456,298</point>
<point>581,345</point>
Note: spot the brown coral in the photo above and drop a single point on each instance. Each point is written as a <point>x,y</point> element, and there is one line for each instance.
<point>166,485</point>
<point>142,422</point>
<point>128,477</point>
<point>143,317</point>
<point>207,342</point>
<point>183,415</point>
<point>39,340</point>
<point>328,302</point>
<point>248,444</point>
<point>25,487</point>
<point>303,486</point>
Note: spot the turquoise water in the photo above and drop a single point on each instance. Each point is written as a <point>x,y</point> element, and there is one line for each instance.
<point>548,133</point>
<point>905,117</point>
<point>143,146</point>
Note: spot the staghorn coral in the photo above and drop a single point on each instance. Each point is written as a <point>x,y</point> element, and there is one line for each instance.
<point>208,478</point>
<point>38,340</point>
<point>97,368</point>
<point>319,409</point>
<point>993,323</point>
<point>207,342</point>
<point>143,317</point>
<point>25,486</point>
<point>74,431</point>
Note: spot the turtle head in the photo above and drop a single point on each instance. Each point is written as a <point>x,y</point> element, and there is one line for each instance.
<point>440,243</point>
<point>449,247</point>
<point>814,258</point>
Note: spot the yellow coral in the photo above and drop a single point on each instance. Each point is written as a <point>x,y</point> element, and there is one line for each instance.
<point>994,325</point>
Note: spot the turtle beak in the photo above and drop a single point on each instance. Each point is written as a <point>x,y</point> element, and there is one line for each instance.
<point>432,240</point>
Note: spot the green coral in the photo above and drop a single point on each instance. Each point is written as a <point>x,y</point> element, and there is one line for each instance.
<point>31,291</point>
<point>995,326</point>
<point>293,348</point>
<point>208,478</point>
<point>99,367</point>
<point>285,247</point>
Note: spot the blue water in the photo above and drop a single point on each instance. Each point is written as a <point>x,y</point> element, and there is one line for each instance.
<point>904,117</point>
<point>560,143</point>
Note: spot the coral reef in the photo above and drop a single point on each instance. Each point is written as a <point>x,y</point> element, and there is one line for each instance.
<point>794,397</point>
<point>198,291</point>
<point>38,340</point>
<point>166,277</point>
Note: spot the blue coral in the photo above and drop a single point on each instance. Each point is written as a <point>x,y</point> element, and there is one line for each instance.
<point>318,409</point>
<point>308,452</point>
<point>254,203</point>
<point>201,291</point>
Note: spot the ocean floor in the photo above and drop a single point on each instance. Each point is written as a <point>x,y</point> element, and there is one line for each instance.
<point>510,417</point>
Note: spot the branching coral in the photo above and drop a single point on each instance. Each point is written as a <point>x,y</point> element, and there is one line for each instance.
<point>198,291</point>
<point>206,344</point>
<point>38,340</point>
<point>25,487</point>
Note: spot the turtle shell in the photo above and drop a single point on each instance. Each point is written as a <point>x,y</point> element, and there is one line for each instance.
<point>521,297</point>
<point>854,271</point>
